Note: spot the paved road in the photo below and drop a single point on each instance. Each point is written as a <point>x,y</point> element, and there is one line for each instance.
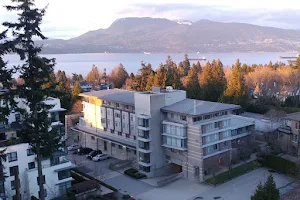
<point>123,183</point>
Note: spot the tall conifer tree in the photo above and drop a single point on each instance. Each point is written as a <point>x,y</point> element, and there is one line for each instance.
<point>236,91</point>
<point>36,72</point>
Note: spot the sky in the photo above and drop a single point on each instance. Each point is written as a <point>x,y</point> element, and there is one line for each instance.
<point>70,18</point>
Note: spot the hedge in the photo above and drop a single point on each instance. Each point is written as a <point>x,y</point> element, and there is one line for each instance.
<point>134,173</point>
<point>93,178</point>
<point>280,164</point>
<point>235,172</point>
<point>77,178</point>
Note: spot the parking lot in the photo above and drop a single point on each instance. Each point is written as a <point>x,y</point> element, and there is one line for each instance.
<point>123,183</point>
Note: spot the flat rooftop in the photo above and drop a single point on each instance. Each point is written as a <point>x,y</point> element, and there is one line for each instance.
<point>238,121</point>
<point>293,116</point>
<point>198,107</point>
<point>115,95</point>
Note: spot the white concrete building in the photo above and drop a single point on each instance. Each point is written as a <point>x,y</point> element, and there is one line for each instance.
<point>57,176</point>
<point>162,129</point>
<point>20,157</point>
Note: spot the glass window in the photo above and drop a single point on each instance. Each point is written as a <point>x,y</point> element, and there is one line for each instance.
<point>173,141</point>
<point>63,187</point>
<point>31,165</point>
<point>92,138</point>
<point>13,156</point>
<point>12,185</point>
<point>143,122</point>
<point>18,117</point>
<point>30,152</point>
<point>183,117</point>
<point>13,170</point>
<point>117,105</point>
<point>179,143</point>
<point>64,174</point>
<point>120,147</point>
<point>294,138</point>
<point>169,141</point>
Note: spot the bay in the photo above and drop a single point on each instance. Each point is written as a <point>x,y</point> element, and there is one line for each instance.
<point>82,63</point>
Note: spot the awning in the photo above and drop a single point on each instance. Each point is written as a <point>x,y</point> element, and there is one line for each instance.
<point>65,168</point>
<point>64,182</point>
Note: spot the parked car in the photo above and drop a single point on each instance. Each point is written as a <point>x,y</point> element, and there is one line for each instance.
<point>93,154</point>
<point>100,157</point>
<point>73,147</point>
<point>84,151</point>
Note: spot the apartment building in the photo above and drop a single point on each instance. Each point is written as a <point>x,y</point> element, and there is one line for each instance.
<point>108,123</point>
<point>163,128</point>
<point>21,163</point>
<point>288,134</point>
<point>21,160</point>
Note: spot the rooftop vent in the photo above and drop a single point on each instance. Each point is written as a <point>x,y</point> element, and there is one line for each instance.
<point>169,88</point>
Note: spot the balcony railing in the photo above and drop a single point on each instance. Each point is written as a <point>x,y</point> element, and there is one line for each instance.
<point>144,160</point>
<point>285,127</point>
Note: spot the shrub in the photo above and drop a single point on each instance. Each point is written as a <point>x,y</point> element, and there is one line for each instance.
<point>126,196</point>
<point>93,178</point>
<point>134,173</point>
<point>281,165</point>
<point>34,198</point>
<point>77,178</point>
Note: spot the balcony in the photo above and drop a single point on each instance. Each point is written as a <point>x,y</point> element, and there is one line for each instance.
<point>144,136</point>
<point>285,129</point>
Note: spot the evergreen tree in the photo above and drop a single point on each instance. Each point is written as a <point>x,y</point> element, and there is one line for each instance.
<point>236,91</point>
<point>272,193</point>
<point>36,72</point>
<point>77,77</point>
<point>6,99</point>
<point>63,89</point>
<point>259,193</point>
<point>268,191</point>
<point>212,81</point>
<point>160,77</point>
<point>118,76</point>
<point>76,90</point>
<point>143,76</point>
<point>6,80</point>
<point>150,82</point>
<point>186,64</point>
<point>297,63</point>
<point>94,76</point>
<point>270,65</point>
<point>193,89</point>
<point>172,74</point>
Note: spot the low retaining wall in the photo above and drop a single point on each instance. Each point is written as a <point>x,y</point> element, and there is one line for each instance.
<point>168,180</point>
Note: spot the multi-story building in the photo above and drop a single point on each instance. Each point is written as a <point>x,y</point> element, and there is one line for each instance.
<point>163,127</point>
<point>108,123</point>
<point>288,134</point>
<point>21,160</point>
<point>21,163</point>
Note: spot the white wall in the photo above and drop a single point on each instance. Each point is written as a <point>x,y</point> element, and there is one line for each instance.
<point>28,178</point>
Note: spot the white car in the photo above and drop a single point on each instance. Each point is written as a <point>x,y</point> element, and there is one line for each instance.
<point>73,147</point>
<point>100,157</point>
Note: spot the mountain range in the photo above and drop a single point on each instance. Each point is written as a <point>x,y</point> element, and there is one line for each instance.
<point>138,35</point>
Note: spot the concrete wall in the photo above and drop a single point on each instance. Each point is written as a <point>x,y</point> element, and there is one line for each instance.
<point>195,155</point>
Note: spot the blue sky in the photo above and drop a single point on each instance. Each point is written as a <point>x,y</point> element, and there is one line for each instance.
<point>70,18</point>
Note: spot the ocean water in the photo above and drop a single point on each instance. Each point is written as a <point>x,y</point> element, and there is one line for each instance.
<point>82,63</point>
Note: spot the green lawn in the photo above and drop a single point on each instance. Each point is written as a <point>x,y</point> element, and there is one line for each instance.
<point>235,172</point>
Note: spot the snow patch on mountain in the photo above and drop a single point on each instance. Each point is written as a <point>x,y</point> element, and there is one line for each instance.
<point>182,21</point>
